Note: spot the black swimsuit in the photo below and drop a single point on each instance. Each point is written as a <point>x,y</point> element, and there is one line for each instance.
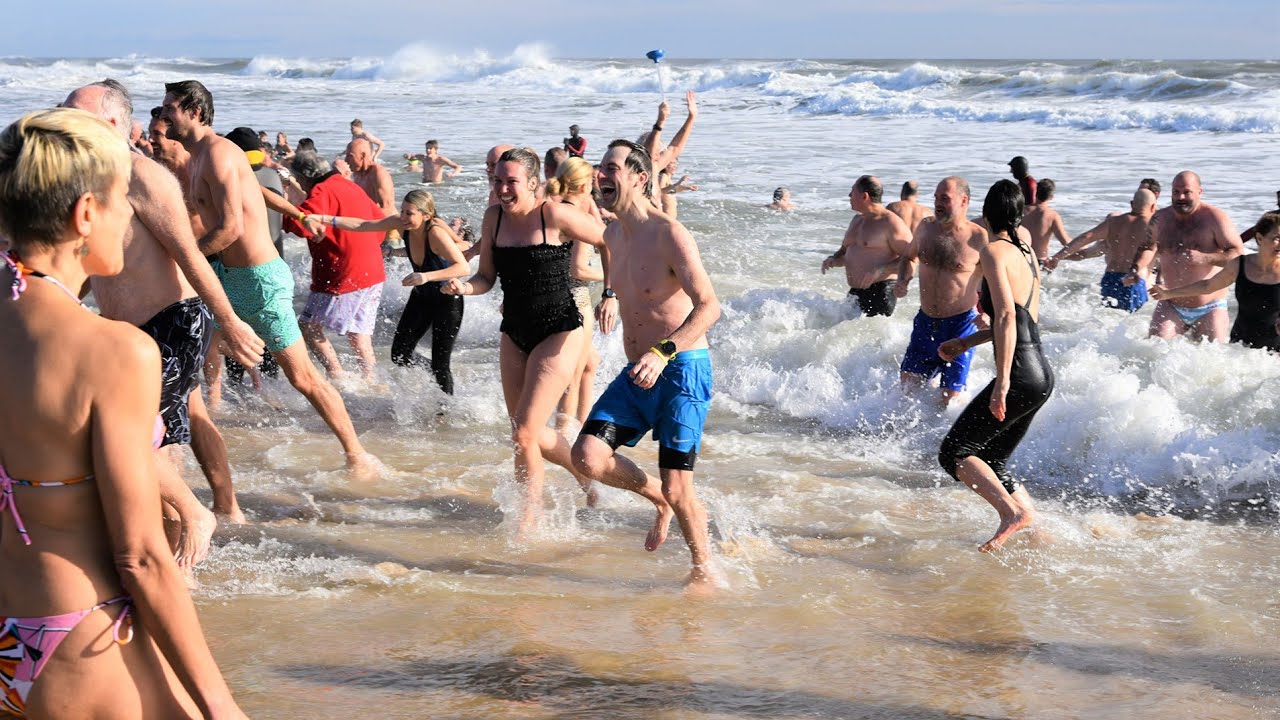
<point>535,287</point>
<point>977,433</point>
<point>1259,307</point>
<point>428,309</point>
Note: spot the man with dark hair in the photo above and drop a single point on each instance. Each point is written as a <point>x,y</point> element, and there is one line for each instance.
<point>871,249</point>
<point>434,164</point>
<point>168,290</point>
<point>1151,184</point>
<point>575,144</point>
<point>908,206</point>
<point>667,304</point>
<point>346,266</point>
<point>1019,167</point>
<point>1043,222</point>
<point>551,161</point>
<point>376,146</point>
<point>947,246</point>
<point>258,283</point>
<point>781,200</point>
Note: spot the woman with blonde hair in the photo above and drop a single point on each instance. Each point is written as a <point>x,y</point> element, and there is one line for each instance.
<point>431,239</point>
<point>572,184</point>
<point>82,549</point>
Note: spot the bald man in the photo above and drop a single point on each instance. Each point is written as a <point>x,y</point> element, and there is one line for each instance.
<point>1118,237</point>
<point>374,179</point>
<point>1192,241</point>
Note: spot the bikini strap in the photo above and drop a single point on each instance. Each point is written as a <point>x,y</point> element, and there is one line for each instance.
<point>543,217</point>
<point>125,619</point>
<point>7,501</point>
<point>19,283</point>
<point>497,226</point>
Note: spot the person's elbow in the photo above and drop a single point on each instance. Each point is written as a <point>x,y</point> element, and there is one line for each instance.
<point>140,563</point>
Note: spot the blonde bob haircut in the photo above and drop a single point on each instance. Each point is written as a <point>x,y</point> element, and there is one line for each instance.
<point>48,160</point>
<point>572,177</point>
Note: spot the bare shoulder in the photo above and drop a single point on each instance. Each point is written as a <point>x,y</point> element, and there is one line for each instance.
<point>978,235</point>
<point>151,179</point>
<point>119,351</point>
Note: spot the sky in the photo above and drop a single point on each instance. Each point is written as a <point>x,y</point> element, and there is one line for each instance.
<point>911,29</point>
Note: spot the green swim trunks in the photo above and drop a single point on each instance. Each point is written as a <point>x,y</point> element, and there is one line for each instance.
<point>262,296</point>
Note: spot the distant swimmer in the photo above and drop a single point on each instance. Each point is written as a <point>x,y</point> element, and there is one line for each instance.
<point>1118,238</point>
<point>947,246</point>
<point>871,250</point>
<point>652,140</point>
<point>667,305</point>
<point>434,164</point>
<point>1020,169</point>
<point>781,200</point>
<point>908,207</point>
<point>1257,281</point>
<point>359,133</point>
<point>257,282</point>
<point>1252,232</point>
<point>282,151</point>
<point>977,449</point>
<point>1193,241</point>
<point>575,144</point>
<point>1043,222</point>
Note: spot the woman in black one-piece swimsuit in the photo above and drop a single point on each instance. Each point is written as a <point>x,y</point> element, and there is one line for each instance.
<point>977,448</point>
<point>525,243</point>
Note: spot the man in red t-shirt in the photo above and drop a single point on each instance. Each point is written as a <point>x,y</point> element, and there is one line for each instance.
<point>1020,167</point>
<point>575,144</point>
<point>346,266</point>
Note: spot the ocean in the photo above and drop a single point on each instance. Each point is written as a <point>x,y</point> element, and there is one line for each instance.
<point>856,590</point>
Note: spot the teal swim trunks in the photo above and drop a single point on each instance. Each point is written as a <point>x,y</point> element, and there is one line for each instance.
<point>262,296</point>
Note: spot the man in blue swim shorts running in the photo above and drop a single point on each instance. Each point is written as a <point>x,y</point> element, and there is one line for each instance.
<point>946,246</point>
<point>667,304</point>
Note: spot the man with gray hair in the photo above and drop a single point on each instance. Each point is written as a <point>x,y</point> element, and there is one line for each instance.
<point>258,283</point>
<point>870,250</point>
<point>947,247</point>
<point>346,266</point>
<point>168,290</point>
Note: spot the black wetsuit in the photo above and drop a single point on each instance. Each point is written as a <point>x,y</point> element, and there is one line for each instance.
<point>977,433</point>
<point>428,309</point>
<point>536,301</point>
<point>1259,307</point>
<point>878,299</point>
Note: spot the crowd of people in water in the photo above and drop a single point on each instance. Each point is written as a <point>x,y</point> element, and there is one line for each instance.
<point>177,232</point>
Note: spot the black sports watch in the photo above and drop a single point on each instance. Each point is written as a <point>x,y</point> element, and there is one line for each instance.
<point>609,293</point>
<point>667,347</point>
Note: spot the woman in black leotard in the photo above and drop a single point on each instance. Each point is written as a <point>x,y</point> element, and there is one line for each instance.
<point>524,243</point>
<point>432,249</point>
<point>1257,280</point>
<point>978,446</point>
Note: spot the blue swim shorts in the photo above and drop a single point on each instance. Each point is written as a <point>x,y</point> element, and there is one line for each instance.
<point>1115,294</point>
<point>927,334</point>
<point>675,407</point>
<point>262,296</point>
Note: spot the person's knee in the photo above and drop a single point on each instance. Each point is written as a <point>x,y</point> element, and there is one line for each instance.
<point>677,490</point>
<point>525,437</point>
<point>590,456</point>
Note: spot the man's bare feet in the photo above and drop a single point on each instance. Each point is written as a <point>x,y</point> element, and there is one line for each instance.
<point>364,466</point>
<point>1008,526</point>
<point>197,534</point>
<point>232,517</point>
<point>704,581</point>
<point>658,533</point>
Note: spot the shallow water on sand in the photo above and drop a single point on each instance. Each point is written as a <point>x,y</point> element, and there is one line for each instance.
<point>855,587</point>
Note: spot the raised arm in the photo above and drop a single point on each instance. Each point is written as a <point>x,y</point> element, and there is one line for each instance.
<point>122,419</point>
<point>669,155</point>
<point>158,203</point>
<point>354,224</point>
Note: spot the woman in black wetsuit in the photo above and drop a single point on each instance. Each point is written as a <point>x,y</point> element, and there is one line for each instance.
<point>525,243</point>
<point>434,255</point>
<point>1257,281</point>
<point>987,432</point>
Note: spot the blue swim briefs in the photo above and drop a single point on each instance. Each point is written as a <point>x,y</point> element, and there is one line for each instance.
<point>927,334</point>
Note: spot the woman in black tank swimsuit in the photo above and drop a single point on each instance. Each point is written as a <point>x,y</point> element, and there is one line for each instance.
<point>1257,297</point>
<point>524,243</point>
<point>980,442</point>
<point>428,308</point>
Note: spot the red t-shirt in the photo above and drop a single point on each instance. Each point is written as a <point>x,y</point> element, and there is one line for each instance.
<point>1028,191</point>
<point>342,261</point>
<point>575,146</point>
